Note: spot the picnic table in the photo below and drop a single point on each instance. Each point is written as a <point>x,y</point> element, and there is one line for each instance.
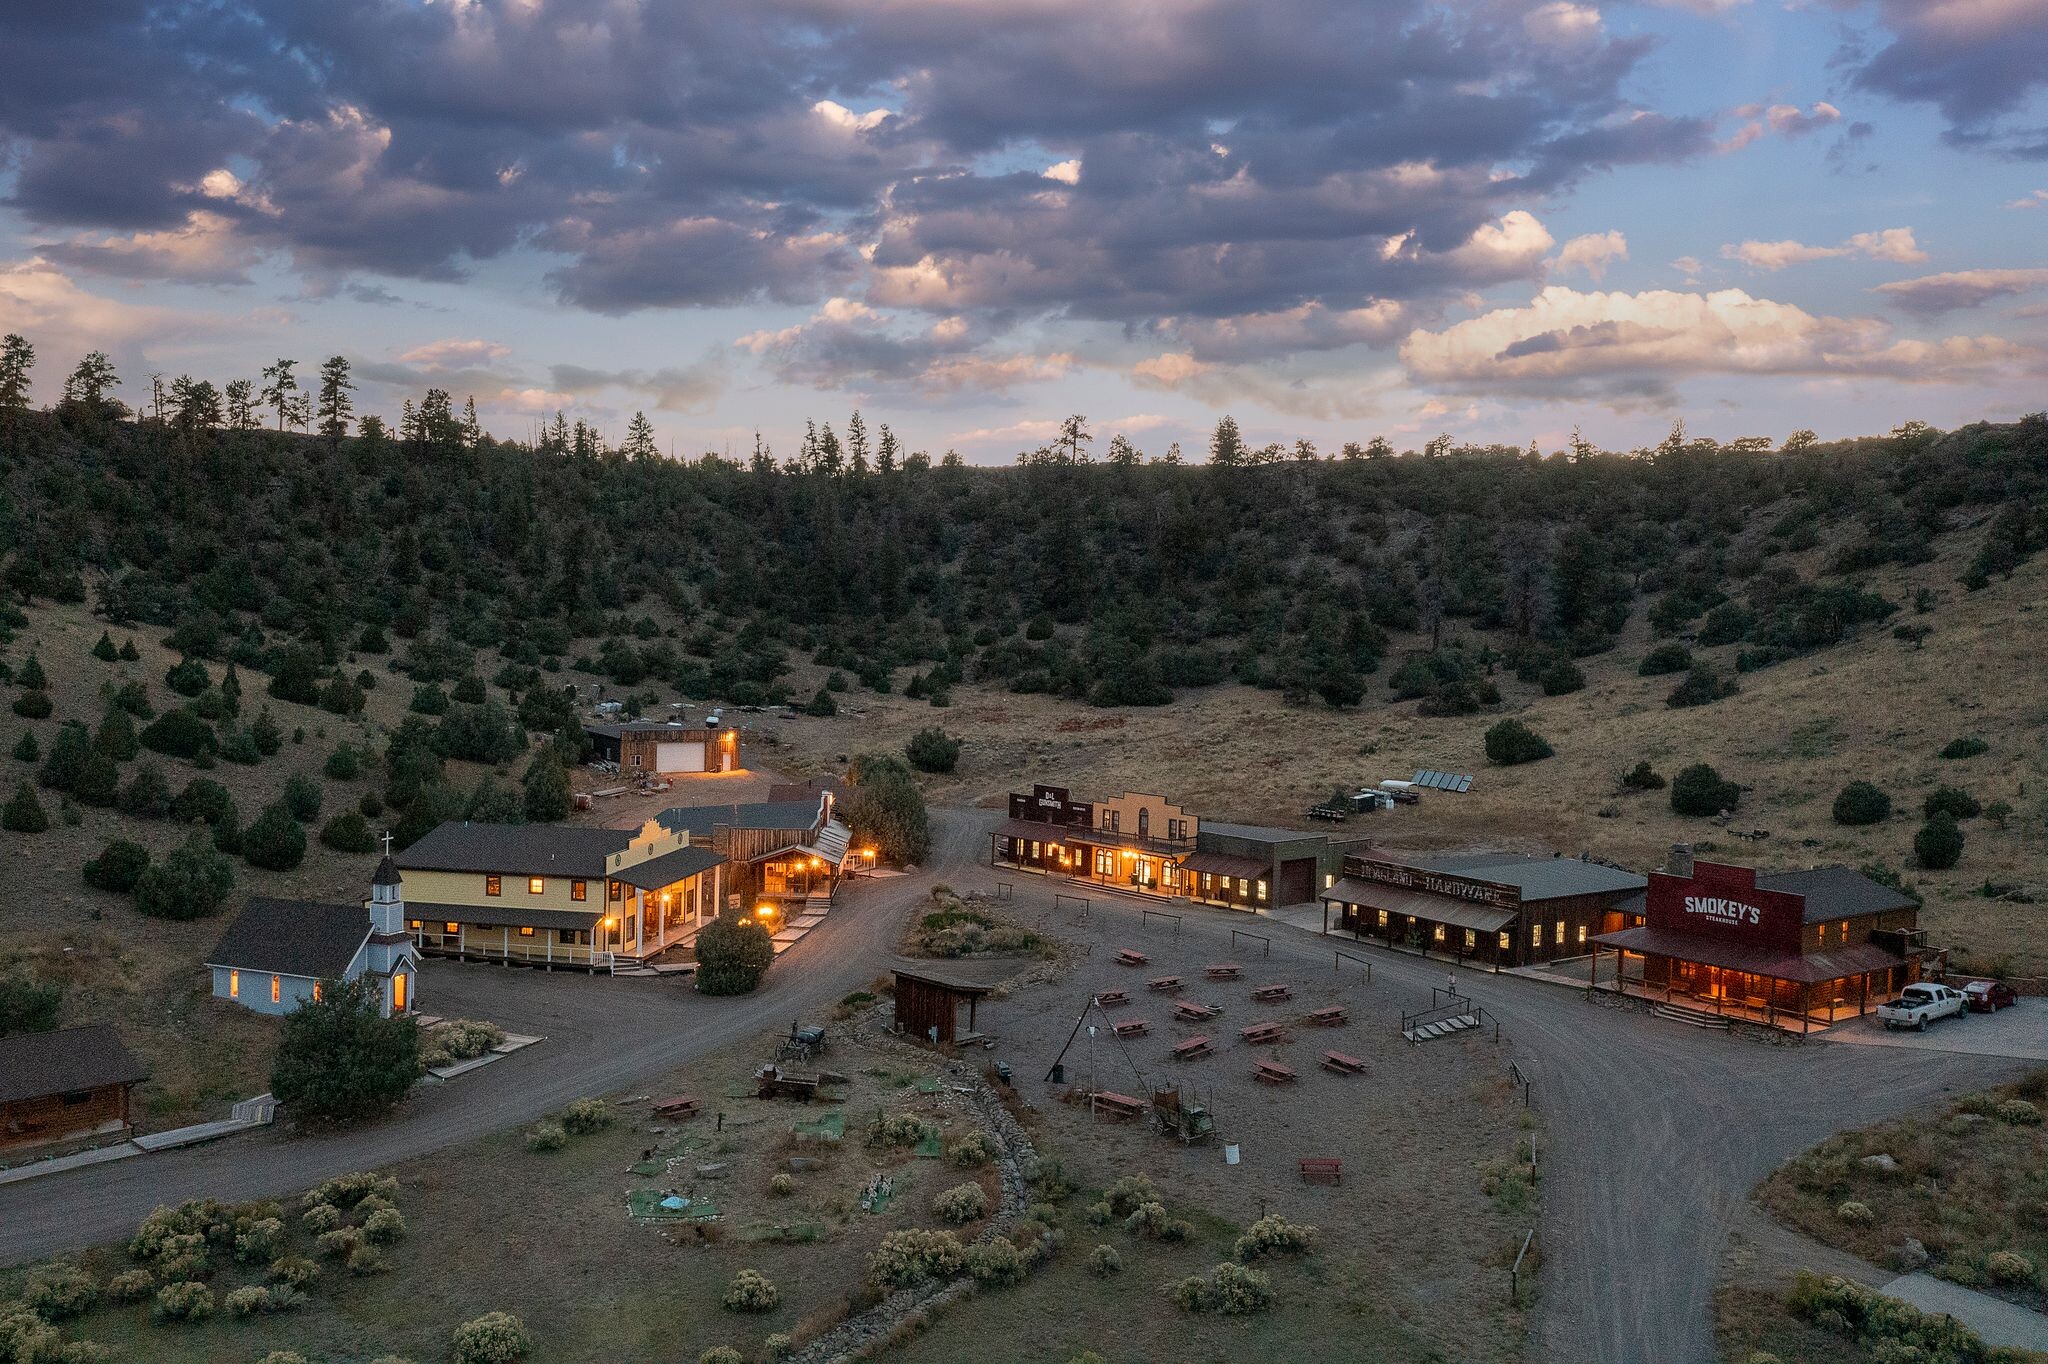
<point>1273,1073</point>
<point>1332,1016</point>
<point>1192,1011</point>
<point>1132,1027</point>
<point>676,1109</point>
<point>1223,971</point>
<point>1130,956</point>
<point>1164,984</point>
<point>1272,994</point>
<point>1322,1170</point>
<point>1342,1064</point>
<point>1193,1049</point>
<point>1112,999</point>
<point>1258,1034</point>
<point>1114,1104</point>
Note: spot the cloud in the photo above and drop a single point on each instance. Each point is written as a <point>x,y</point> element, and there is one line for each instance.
<point>1066,172</point>
<point>1787,120</point>
<point>1933,295</point>
<point>202,250</point>
<point>1620,345</point>
<point>1894,244</point>
<point>1312,397</point>
<point>454,352</point>
<point>847,344</point>
<point>1978,61</point>
<point>1592,252</point>
<point>675,388</point>
<point>44,303</point>
<point>1305,327</point>
<point>2035,199</point>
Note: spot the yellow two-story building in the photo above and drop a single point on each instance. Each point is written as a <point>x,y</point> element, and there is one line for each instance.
<point>555,895</point>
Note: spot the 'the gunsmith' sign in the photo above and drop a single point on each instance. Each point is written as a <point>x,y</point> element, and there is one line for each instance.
<point>1724,902</point>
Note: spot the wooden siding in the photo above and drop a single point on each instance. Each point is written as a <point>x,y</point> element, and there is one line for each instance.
<point>56,1118</point>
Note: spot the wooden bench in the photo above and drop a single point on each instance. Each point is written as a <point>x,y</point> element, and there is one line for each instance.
<point>1189,1011</point>
<point>676,1109</point>
<point>1258,1034</point>
<point>1342,1064</point>
<point>1193,1049</point>
<point>1112,999</point>
<point>1330,1017</point>
<point>1322,1170</point>
<point>1166,985</point>
<point>1132,1027</point>
<point>1272,994</point>
<point>1223,971</point>
<point>1116,1105</point>
<point>1273,1073</point>
<point>1130,956</point>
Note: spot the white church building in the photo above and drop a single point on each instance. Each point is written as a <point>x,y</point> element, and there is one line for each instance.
<point>278,954</point>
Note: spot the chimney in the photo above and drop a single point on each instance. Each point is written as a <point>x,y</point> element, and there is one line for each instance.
<point>1679,862</point>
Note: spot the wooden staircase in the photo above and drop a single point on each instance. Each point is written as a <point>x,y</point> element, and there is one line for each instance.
<point>1442,1027</point>
<point>1697,1018</point>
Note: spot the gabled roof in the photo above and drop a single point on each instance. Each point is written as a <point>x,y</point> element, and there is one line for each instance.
<point>794,816</point>
<point>669,868</point>
<point>1256,833</point>
<point>614,729</point>
<point>293,938</point>
<point>515,849</point>
<point>1836,893</point>
<point>38,1064</point>
<point>1538,878</point>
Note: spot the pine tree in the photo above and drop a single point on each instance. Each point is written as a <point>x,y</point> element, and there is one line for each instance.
<point>24,813</point>
<point>886,451</point>
<point>335,406</point>
<point>639,443</point>
<point>1123,454</point>
<point>857,444</point>
<point>17,358</point>
<point>1226,443</point>
<point>279,386</point>
<point>241,402</point>
<point>472,427</point>
<point>87,387</point>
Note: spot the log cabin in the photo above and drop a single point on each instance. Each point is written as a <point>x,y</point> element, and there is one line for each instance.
<point>64,1087</point>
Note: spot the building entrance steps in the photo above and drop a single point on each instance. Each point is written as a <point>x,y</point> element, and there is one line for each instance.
<point>1443,1027</point>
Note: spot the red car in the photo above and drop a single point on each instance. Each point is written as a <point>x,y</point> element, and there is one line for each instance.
<point>1989,996</point>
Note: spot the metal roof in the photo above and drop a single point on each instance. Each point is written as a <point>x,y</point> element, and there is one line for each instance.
<point>699,820</point>
<point>669,868</point>
<point>515,849</point>
<point>1436,909</point>
<point>38,1064</point>
<point>1538,878</point>
<point>1257,833</point>
<point>1809,968</point>
<point>1226,864</point>
<point>1836,893</point>
<point>293,938</point>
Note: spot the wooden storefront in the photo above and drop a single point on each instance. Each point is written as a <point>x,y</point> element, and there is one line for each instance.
<point>1495,911</point>
<point>928,1007</point>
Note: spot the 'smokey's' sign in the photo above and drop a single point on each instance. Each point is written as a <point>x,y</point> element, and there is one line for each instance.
<point>1725,903</point>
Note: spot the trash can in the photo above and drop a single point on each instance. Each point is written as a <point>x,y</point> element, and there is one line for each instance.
<point>1230,1153</point>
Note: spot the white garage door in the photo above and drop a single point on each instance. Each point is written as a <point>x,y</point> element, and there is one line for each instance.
<point>679,757</point>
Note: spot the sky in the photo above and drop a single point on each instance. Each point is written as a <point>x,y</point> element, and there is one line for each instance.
<point>1331,219</point>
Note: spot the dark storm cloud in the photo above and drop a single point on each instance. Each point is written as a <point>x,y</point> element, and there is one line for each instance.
<point>1215,158</point>
<point>1978,61</point>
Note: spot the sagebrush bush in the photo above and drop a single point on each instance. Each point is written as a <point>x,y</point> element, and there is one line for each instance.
<point>59,1290</point>
<point>994,1263</point>
<point>547,1135</point>
<point>384,1227</point>
<point>247,1300</point>
<point>183,1302</point>
<point>2018,1112</point>
<point>899,1129</point>
<point>259,1241</point>
<point>721,1354</point>
<point>1146,1219</point>
<point>167,1230</point>
<point>961,1203</point>
<point>973,1148</point>
<point>1100,1214</point>
<point>338,1244</point>
<point>283,1357</point>
<point>1855,1214</point>
<point>26,1336</point>
<point>780,1345</point>
<point>1048,1180</point>
<point>293,1271</point>
<point>585,1116</point>
<point>1274,1235</point>
<point>458,1039</point>
<point>493,1338</point>
<point>366,1260</point>
<point>345,1191</point>
<point>1103,1261</point>
<point>914,1255</point>
<point>1230,1289</point>
<point>1124,1196</point>
<point>750,1291</point>
<point>132,1285</point>
<point>2009,1267</point>
<point>320,1218</point>
<point>782,1186</point>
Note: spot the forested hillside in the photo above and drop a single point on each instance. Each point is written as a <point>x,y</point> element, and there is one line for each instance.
<point>1114,582</point>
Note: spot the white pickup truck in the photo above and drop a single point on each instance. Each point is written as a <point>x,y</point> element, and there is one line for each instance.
<point>1919,1005</point>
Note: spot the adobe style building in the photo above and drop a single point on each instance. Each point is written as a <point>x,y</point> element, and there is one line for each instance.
<point>278,954</point>
<point>1148,845</point>
<point>776,851</point>
<point>557,895</point>
<point>656,748</point>
<point>62,1087</point>
<point>1495,910</point>
<point>1792,949</point>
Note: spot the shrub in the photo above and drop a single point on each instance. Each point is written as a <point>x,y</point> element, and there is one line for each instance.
<point>733,953</point>
<point>584,1116</point>
<point>1952,801</point>
<point>2009,1267</point>
<point>118,867</point>
<point>460,1039</point>
<point>247,1301</point>
<point>349,1190</point>
<point>1964,748</point>
<point>1561,678</point>
<point>275,841</point>
<point>493,1338</point>
<point>973,1148</point>
<point>24,813</point>
<point>721,1354</point>
<point>750,1291</point>
<point>1273,1234</point>
<point>932,750</point>
<point>33,705</point>
<point>344,764</point>
<point>546,1135</point>
<point>189,884</point>
<point>322,1217</point>
<point>26,749</point>
<point>131,1285</point>
<point>1103,1261</point>
<point>183,1302</point>
<point>188,677</point>
<point>782,1186</point>
<point>384,1227</point>
<point>1861,803</point>
<point>293,1271</point>
<point>180,734</point>
<point>1671,657</point>
<point>340,1060</point>
<point>1124,1196</point>
<point>202,801</point>
<point>1939,843</point>
<point>301,798</point>
<point>348,832</point>
<point>962,1203</point>
<point>26,1338</point>
<point>1700,790</point>
<point>994,1263</point>
<point>1642,777</point>
<point>260,1240</point>
<point>338,1244</point>
<point>1230,1289</point>
<point>366,1260</point>
<point>1510,742</point>
<point>58,1291</point>
<point>147,794</point>
<point>1702,686</point>
<point>1856,1214</point>
<point>913,1256</point>
<point>2018,1112</point>
<point>899,1129</point>
<point>85,1352</point>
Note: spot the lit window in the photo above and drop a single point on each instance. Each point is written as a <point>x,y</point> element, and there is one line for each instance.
<point>536,885</point>
<point>1438,935</point>
<point>451,928</point>
<point>1328,880</point>
<point>1506,942</point>
<point>526,932</point>
<point>1262,890</point>
<point>1535,935</point>
<point>493,886</point>
<point>1471,940</point>
<point>579,890</point>
<point>1559,939</point>
<point>316,992</point>
<point>1383,918</point>
<point>276,989</point>
<point>416,925</point>
<point>398,984</point>
<point>1582,935</point>
<point>234,985</point>
<point>613,892</point>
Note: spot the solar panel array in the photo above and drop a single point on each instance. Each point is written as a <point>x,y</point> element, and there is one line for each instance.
<point>1434,780</point>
